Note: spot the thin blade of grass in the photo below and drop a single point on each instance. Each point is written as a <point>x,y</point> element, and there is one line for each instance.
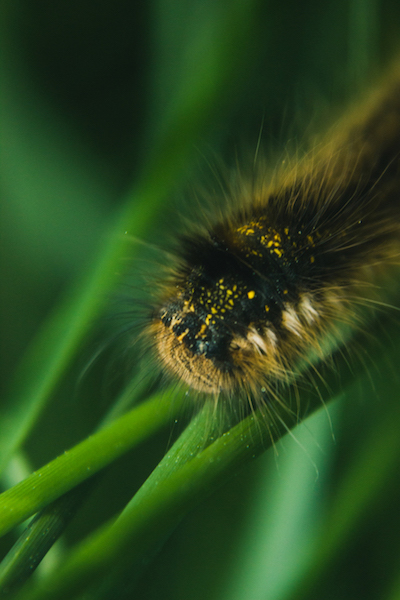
<point>85,459</point>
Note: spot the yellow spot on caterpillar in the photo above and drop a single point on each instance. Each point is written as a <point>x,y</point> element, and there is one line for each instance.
<point>267,309</point>
<point>247,229</point>
<point>251,294</point>
<point>312,259</point>
<point>180,337</point>
<point>188,307</point>
<point>203,329</point>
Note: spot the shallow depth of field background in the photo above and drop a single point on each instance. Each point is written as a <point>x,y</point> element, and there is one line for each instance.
<point>83,88</point>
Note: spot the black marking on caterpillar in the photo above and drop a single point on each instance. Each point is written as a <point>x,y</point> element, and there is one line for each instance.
<point>259,287</point>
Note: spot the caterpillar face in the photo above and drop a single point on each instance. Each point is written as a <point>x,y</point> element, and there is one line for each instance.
<point>258,289</point>
<point>240,306</point>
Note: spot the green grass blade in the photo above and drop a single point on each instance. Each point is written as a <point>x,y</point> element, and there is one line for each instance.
<point>84,460</point>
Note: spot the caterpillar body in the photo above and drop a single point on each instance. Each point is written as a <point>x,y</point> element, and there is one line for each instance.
<point>260,286</point>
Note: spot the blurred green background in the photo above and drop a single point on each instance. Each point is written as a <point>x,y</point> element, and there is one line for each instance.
<point>84,89</point>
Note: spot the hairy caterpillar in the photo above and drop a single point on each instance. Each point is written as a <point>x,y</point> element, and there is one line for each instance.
<point>292,257</point>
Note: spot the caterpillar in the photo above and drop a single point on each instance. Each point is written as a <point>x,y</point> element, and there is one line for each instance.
<point>293,256</point>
